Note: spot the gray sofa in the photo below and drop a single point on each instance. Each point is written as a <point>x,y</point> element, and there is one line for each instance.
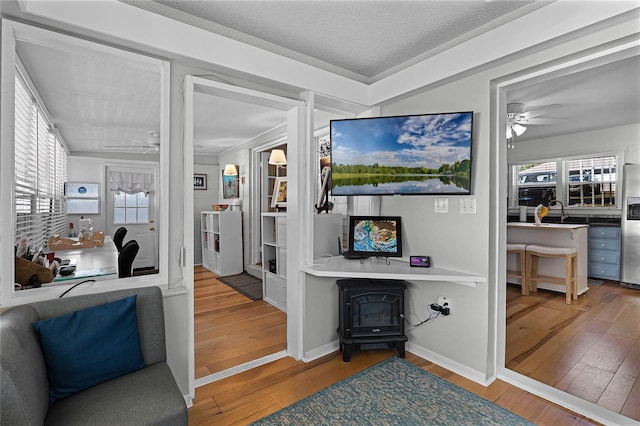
<point>149,396</point>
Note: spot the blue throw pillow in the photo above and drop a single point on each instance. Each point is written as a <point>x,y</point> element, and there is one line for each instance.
<point>90,346</point>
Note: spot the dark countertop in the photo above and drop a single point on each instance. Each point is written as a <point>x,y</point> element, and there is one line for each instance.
<point>577,220</point>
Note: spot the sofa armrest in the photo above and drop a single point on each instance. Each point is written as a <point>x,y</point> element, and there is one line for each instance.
<point>24,387</point>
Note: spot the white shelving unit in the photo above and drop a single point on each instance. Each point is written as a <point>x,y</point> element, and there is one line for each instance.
<point>274,259</point>
<point>326,229</point>
<point>222,242</point>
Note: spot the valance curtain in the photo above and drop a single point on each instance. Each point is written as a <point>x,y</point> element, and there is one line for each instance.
<point>130,183</point>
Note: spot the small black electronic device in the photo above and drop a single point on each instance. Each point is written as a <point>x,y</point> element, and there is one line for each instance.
<point>67,270</point>
<point>420,261</point>
<point>354,255</point>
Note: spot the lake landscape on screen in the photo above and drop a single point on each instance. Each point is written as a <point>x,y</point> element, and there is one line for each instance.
<point>412,155</point>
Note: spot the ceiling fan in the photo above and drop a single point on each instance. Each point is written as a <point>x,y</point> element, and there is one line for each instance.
<point>518,119</point>
<point>151,144</point>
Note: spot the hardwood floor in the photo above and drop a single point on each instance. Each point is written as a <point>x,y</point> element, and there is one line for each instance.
<point>231,329</point>
<point>251,395</point>
<point>590,348</point>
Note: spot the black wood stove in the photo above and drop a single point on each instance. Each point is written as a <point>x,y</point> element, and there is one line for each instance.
<point>371,315</point>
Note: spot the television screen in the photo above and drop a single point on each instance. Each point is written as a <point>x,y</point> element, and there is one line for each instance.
<point>375,236</point>
<point>402,155</point>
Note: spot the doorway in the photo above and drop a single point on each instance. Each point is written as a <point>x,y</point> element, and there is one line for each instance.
<point>507,368</point>
<point>228,93</point>
<point>134,208</point>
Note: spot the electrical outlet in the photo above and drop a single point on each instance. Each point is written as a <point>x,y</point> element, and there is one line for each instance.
<point>445,302</point>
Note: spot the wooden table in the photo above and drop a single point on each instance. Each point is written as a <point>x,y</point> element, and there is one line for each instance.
<point>98,263</point>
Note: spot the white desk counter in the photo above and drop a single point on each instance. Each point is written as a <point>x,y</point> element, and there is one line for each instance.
<point>98,263</point>
<point>377,268</point>
<point>555,235</point>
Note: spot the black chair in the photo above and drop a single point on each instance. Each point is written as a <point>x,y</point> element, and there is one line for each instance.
<point>126,258</point>
<point>118,237</point>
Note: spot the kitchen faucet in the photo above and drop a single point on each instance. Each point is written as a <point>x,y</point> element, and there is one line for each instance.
<point>563,215</point>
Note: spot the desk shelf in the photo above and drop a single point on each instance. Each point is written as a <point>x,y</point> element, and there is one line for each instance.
<point>339,267</point>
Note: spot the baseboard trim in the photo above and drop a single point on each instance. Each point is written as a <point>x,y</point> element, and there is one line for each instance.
<point>239,368</point>
<point>188,401</point>
<point>462,370</point>
<point>456,367</point>
<point>321,351</point>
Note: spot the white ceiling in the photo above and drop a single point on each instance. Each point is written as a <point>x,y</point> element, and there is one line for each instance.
<point>603,96</point>
<point>96,103</point>
<point>362,40</point>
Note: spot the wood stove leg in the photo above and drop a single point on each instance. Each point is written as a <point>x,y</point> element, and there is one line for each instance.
<point>400,349</point>
<point>346,353</point>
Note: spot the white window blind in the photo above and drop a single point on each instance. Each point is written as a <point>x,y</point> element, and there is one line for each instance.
<point>40,172</point>
<point>591,182</point>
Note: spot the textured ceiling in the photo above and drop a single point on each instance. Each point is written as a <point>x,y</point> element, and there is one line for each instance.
<point>92,100</point>
<point>362,40</point>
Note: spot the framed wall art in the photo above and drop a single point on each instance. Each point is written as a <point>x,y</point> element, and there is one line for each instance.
<point>199,181</point>
<point>279,197</point>
<point>230,186</point>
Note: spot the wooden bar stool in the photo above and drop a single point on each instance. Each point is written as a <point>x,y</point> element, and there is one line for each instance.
<point>570,279</point>
<point>520,250</point>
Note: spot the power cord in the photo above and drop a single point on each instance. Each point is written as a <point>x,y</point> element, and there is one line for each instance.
<point>432,315</point>
<point>74,286</point>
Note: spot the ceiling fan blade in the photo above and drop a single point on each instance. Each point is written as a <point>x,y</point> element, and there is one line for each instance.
<point>536,112</point>
<point>534,121</point>
<point>124,146</point>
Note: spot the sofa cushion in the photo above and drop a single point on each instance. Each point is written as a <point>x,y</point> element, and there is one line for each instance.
<point>90,346</point>
<point>145,397</point>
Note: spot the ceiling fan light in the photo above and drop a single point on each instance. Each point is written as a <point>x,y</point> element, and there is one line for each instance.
<point>509,132</point>
<point>518,129</point>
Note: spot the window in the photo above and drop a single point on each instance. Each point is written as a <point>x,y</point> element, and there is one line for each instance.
<point>82,198</point>
<point>535,183</point>
<point>40,171</point>
<point>130,208</point>
<point>591,182</point>
<point>577,182</point>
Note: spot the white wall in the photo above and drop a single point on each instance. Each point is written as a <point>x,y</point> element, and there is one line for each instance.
<point>454,241</point>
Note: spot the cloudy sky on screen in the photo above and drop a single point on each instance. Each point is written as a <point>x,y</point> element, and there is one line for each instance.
<point>412,141</point>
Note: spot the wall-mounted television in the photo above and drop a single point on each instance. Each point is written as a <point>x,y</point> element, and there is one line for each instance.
<point>375,236</point>
<point>402,155</point>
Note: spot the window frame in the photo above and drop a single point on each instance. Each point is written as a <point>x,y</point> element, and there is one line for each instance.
<point>562,184</point>
<point>11,32</point>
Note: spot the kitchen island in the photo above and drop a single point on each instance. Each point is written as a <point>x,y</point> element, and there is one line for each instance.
<point>555,235</point>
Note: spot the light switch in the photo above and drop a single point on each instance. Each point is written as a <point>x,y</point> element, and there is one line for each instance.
<point>468,205</point>
<point>441,205</point>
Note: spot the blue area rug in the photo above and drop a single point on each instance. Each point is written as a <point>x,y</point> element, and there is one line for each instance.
<point>393,392</point>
